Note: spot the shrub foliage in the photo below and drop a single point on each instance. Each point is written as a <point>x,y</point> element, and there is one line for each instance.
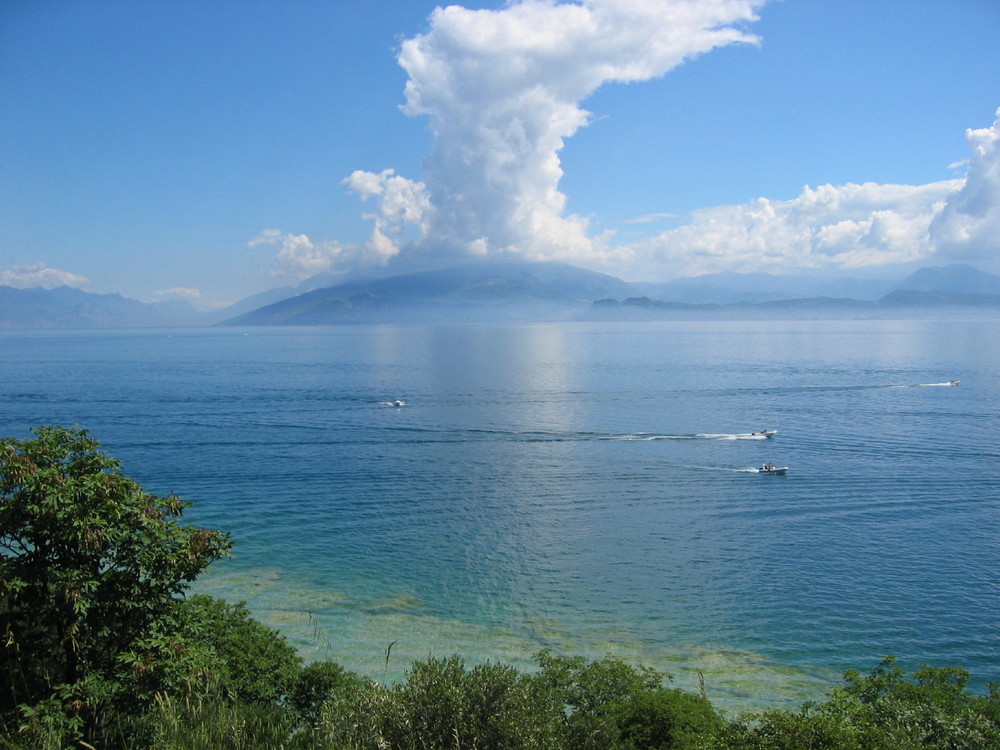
<point>91,567</point>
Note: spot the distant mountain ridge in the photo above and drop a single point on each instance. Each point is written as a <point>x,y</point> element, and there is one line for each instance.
<point>729,287</point>
<point>66,307</point>
<point>953,279</point>
<point>944,288</point>
<point>507,290</point>
<point>481,291</point>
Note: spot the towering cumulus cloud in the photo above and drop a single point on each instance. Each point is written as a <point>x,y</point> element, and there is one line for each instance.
<point>968,228</point>
<point>502,89</point>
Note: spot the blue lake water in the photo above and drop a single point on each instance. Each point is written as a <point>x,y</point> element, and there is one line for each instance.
<point>582,487</point>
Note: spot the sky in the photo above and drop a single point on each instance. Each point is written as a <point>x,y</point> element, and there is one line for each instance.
<point>177,149</point>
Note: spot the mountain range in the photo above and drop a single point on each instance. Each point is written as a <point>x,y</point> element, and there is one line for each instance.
<point>66,307</point>
<point>483,291</point>
<point>521,291</point>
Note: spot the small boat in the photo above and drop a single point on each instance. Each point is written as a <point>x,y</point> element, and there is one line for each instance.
<point>397,403</point>
<point>765,433</point>
<point>952,382</point>
<point>772,469</point>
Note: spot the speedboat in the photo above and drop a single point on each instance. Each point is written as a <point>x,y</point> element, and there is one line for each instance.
<point>952,382</point>
<point>772,469</point>
<point>764,433</point>
<point>397,403</point>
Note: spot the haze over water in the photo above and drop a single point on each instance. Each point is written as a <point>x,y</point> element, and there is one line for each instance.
<point>583,487</point>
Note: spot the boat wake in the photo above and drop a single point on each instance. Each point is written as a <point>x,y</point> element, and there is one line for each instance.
<point>695,436</point>
<point>735,436</point>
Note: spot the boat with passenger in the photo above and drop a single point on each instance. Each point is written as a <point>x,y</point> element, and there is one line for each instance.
<point>772,469</point>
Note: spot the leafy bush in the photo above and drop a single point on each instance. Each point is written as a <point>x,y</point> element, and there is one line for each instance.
<point>246,661</point>
<point>934,709</point>
<point>805,729</point>
<point>319,684</point>
<point>662,719</point>
<point>609,704</point>
<point>221,725</point>
<point>880,711</point>
<point>441,705</point>
<point>90,564</point>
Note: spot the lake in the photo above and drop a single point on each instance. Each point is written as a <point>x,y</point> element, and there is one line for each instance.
<point>584,487</point>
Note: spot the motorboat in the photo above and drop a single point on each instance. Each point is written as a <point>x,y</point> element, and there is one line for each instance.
<point>952,382</point>
<point>397,403</point>
<point>764,433</point>
<point>772,469</point>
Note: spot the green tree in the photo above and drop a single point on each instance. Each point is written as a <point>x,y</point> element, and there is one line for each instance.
<point>609,704</point>
<point>246,661</point>
<point>663,719</point>
<point>443,706</point>
<point>883,710</point>
<point>319,684</point>
<point>90,563</point>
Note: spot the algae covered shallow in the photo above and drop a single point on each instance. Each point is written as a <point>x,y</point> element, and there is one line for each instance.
<point>382,637</point>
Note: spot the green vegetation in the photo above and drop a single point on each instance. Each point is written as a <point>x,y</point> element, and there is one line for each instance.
<point>103,649</point>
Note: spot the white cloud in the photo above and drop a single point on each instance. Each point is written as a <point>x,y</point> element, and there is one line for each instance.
<point>178,292</point>
<point>400,205</point>
<point>844,227</point>
<point>651,218</point>
<point>267,237</point>
<point>401,212</point>
<point>40,275</point>
<point>849,226</point>
<point>968,228</point>
<point>502,90</point>
<point>298,257</point>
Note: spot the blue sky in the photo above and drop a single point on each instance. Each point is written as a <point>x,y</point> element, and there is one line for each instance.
<point>210,151</point>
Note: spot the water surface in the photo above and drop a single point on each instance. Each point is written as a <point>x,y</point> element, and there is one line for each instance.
<point>582,487</point>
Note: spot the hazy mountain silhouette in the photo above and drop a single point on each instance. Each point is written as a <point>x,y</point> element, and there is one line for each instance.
<point>953,279</point>
<point>486,290</point>
<point>949,290</point>
<point>507,290</point>
<point>515,290</point>
<point>729,287</point>
<point>66,307</point>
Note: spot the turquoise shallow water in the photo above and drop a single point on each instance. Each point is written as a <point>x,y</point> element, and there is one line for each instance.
<point>582,487</point>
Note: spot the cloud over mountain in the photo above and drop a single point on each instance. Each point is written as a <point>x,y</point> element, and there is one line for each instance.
<point>502,91</point>
<point>840,227</point>
<point>298,256</point>
<point>968,227</point>
<point>846,226</point>
<point>400,204</point>
<point>39,275</point>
